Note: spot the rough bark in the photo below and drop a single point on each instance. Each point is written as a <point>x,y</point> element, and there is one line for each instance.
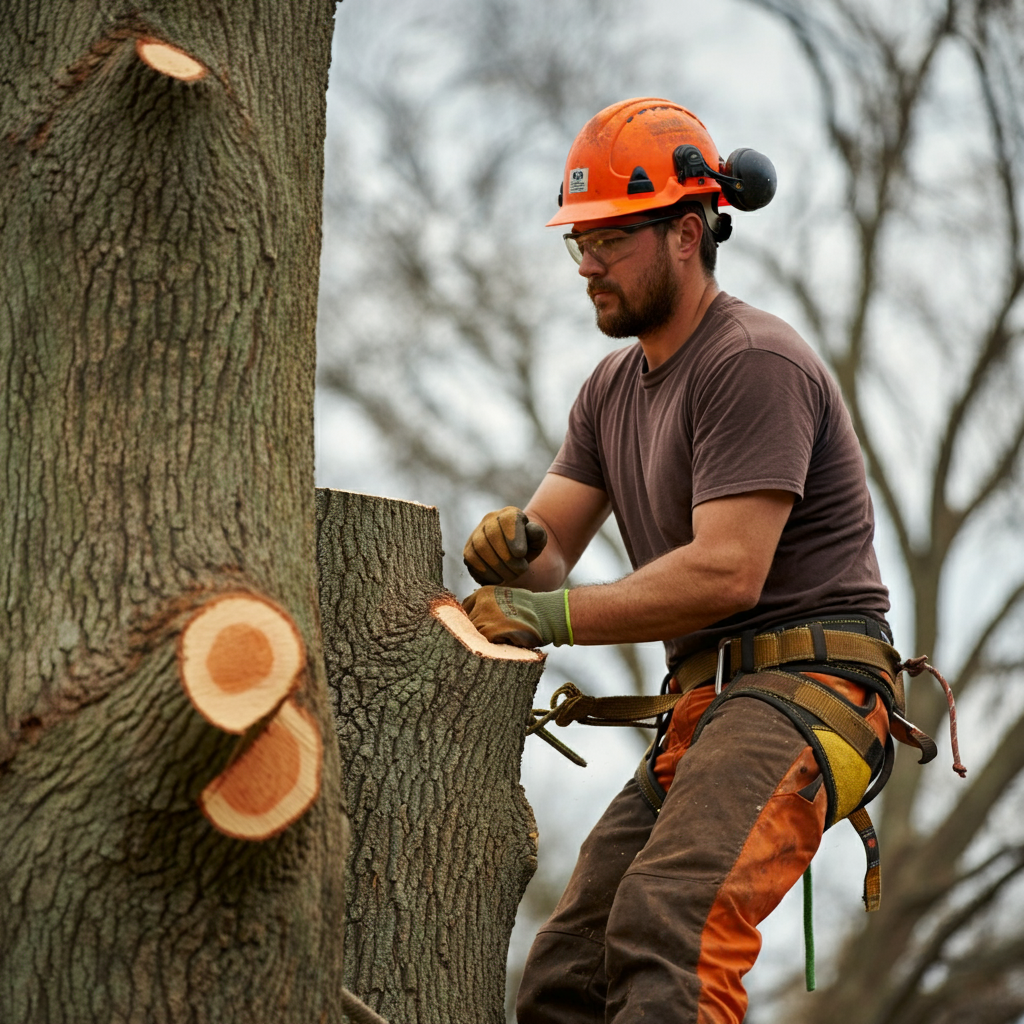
<point>159,245</point>
<point>431,735</point>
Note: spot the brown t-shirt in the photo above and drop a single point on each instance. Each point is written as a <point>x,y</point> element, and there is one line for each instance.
<point>745,405</point>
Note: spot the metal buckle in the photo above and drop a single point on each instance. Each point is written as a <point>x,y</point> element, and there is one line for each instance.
<point>720,671</point>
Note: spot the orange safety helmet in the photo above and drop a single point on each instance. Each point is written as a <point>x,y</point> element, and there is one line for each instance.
<point>648,153</point>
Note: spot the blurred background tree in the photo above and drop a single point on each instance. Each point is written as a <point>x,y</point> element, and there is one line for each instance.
<point>454,336</point>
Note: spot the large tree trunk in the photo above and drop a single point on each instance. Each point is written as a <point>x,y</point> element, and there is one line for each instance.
<point>159,244</point>
<point>431,722</point>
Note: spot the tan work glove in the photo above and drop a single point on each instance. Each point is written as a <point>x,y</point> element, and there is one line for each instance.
<point>509,615</point>
<point>501,548</point>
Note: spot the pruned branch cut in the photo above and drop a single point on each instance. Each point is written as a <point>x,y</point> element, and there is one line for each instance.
<point>273,783</point>
<point>169,60</point>
<point>238,659</point>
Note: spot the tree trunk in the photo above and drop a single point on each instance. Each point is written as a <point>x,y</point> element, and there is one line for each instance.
<point>159,246</point>
<point>431,734</point>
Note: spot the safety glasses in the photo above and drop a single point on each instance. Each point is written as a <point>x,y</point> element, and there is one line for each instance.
<point>607,245</point>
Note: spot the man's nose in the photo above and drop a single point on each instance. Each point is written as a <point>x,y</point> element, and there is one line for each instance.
<point>589,267</point>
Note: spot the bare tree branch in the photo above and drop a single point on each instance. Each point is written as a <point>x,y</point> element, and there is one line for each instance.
<point>971,670</point>
<point>954,923</point>
<point>937,854</point>
<point>997,344</point>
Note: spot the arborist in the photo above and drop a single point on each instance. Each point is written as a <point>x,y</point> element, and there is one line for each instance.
<point>722,446</point>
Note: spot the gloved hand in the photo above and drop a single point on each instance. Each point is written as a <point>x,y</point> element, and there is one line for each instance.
<point>507,615</point>
<point>503,545</point>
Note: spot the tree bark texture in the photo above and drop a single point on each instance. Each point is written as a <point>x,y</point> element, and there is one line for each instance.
<point>431,735</point>
<point>159,247</point>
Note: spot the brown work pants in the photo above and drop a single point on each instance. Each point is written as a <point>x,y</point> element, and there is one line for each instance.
<point>659,920</point>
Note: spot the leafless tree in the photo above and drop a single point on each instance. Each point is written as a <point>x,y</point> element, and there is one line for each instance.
<point>909,278</point>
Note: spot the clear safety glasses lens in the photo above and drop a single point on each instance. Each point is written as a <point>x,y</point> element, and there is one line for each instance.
<point>606,246</point>
<point>573,245</point>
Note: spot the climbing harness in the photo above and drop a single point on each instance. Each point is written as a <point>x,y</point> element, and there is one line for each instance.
<point>776,667</point>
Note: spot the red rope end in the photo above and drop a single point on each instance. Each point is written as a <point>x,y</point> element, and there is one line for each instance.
<point>914,667</point>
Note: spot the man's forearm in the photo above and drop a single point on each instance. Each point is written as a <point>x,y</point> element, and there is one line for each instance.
<point>676,594</point>
<point>721,572</point>
<point>671,596</point>
<point>548,571</point>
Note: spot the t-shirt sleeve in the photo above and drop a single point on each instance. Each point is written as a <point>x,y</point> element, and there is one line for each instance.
<point>579,458</point>
<point>755,424</point>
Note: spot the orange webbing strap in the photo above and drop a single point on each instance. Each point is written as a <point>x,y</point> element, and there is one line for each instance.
<point>861,821</point>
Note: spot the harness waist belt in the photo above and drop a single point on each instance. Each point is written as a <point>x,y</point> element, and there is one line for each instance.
<point>812,643</point>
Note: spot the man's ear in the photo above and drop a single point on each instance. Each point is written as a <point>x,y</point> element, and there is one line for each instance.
<point>688,231</point>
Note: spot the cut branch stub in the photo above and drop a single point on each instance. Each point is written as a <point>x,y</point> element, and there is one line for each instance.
<point>239,658</point>
<point>451,615</point>
<point>169,60</point>
<point>273,783</point>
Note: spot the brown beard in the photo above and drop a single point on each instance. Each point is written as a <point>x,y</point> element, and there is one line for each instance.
<point>650,309</point>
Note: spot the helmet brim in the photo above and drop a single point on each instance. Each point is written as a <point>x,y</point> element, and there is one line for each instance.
<point>605,209</point>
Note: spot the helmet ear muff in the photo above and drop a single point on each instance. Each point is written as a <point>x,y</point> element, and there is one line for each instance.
<point>753,179</point>
<point>748,178</point>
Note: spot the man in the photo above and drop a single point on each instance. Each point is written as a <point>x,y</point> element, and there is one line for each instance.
<point>722,446</point>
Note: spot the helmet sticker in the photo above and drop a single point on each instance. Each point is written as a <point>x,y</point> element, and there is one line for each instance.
<point>578,179</point>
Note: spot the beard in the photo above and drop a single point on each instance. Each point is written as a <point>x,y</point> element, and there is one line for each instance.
<point>652,307</point>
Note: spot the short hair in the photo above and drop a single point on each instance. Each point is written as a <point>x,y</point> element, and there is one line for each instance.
<point>708,245</point>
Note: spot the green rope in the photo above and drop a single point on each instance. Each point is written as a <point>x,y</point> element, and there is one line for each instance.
<point>808,931</point>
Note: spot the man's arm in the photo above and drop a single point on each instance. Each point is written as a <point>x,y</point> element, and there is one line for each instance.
<point>571,513</point>
<point>721,572</point>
